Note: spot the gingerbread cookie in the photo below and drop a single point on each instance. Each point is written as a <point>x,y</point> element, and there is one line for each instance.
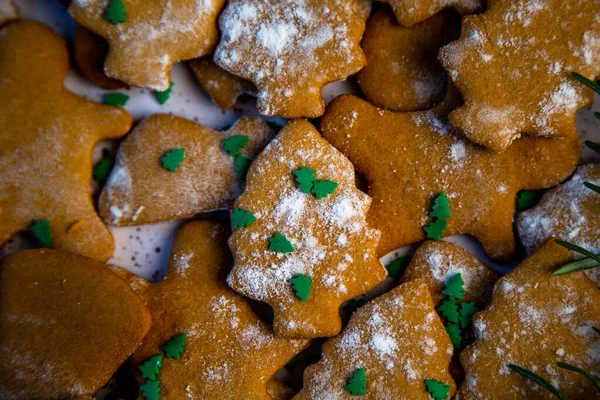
<point>141,190</point>
<point>67,323</point>
<point>302,243</point>
<point>402,72</point>
<point>89,53</point>
<point>229,352</point>
<point>223,88</point>
<point>535,320</point>
<point>410,12</point>
<point>8,11</point>
<point>436,262</point>
<point>514,80</point>
<point>47,140</point>
<point>296,47</point>
<point>399,344</point>
<point>147,37</point>
<point>410,159</point>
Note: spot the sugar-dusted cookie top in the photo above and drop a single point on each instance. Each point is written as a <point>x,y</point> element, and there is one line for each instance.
<point>402,71</point>
<point>399,342</point>
<point>223,88</point>
<point>89,53</point>
<point>47,137</point>
<point>67,323</point>
<point>229,352</point>
<point>291,48</point>
<point>146,37</point>
<point>410,12</point>
<point>8,11</point>
<point>141,190</point>
<point>307,248</point>
<point>409,159</point>
<point>569,211</point>
<point>436,262</point>
<point>534,321</point>
<point>513,64</point>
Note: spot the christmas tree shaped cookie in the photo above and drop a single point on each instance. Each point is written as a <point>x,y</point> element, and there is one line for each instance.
<point>223,88</point>
<point>410,12</point>
<point>67,323</point>
<point>535,321</point>
<point>402,71</point>
<point>47,137</point>
<point>213,345</point>
<point>310,223</point>
<point>150,183</point>
<point>514,78</point>
<point>394,347</point>
<point>297,47</point>
<point>409,159</point>
<point>147,37</point>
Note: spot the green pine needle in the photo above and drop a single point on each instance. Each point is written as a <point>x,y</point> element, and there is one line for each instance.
<point>596,330</point>
<point>589,83</point>
<point>593,145</point>
<point>536,378</point>
<point>578,249</point>
<point>591,186</point>
<point>582,372</point>
<point>576,266</point>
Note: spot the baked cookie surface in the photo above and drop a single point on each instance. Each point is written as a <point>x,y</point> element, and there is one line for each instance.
<point>410,12</point>
<point>47,137</point>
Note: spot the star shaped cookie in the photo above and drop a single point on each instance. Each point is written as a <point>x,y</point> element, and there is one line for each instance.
<point>410,12</point>
<point>67,323</point>
<point>408,159</point>
<point>399,342</point>
<point>229,352</point>
<point>296,48</point>
<point>223,88</point>
<point>47,137</point>
<point>436,262</point>
<point>402,71</point>
<point>513,64</point>
<point>141,191</point>
<point>300,238</point>
<point>535,320</point>
<point>150,36</point>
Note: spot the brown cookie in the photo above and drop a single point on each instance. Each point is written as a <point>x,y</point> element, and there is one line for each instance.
<point>402,71</point>
<point>303,233</point>
<point>47,140</point>
<point>436,262</point>
<point>291,48</point>
<point>8,11</point>
<point>223,88</point>
<point>147,37</point>
<point>89,53</point>
<point>514,72</point>
<point>399,342</point>
<point>229,352</point>
<point>408,159</point>
<point>535,320</point>
<point>67,323</point>
<point>140,190</point>
<point>410,12</point>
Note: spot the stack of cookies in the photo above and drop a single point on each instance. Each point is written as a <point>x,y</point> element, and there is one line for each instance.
<point>462,122</point>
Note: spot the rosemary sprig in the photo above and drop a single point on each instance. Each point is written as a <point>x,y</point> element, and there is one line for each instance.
<point>576,266</point>
<point>582,372</point>
<point>591,186</point>
<point>536,378</point>
<point>578,249</point>
<point>593,145</point>
<point>587,82</point>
